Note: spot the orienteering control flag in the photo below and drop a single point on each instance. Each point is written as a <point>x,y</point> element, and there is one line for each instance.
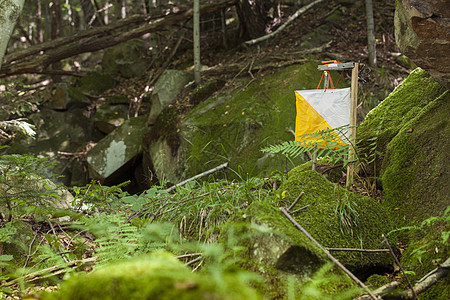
<point>321,110</point>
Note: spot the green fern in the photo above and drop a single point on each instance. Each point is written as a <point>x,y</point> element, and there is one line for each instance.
<point>323,143</point>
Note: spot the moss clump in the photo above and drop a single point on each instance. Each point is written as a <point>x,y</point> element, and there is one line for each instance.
<point>375,281</point>
<point>414,173</point>
<point>320,220</point>
<point>156,276</point>
<point>427,247</point>
<point>385,121</point>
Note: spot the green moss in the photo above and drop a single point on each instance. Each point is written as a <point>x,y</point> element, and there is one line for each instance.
<point>268,243</point>
<point>414,174</point>
<point>320,220</point>
<point>385,120</point>
<point>375,281</point>
<point>253,115</point>
<point>156,276</point>
<point>427,247</point>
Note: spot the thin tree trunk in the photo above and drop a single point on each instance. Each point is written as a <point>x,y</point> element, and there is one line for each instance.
<point>197,64</point>
<point>371,34</point>
<point>56,33</point>
<point>8,18</point>
<point>40,36</point>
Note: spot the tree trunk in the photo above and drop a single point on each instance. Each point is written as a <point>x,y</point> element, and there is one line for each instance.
<point>370,34</point>
<point>40,36</point>
<point>55,33</point>
<point>254,17</point>
<point>9,12</point>
<point>89,13</point>
<point>197,65</point>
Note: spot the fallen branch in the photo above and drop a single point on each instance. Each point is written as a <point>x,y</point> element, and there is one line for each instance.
<point>331,257</point>
<point>359,250</point>
<point>421,286</point>
<point>289,21</point>
<point>428,280</point>
<point>218,168</point>
<point>54,270</point>
<point>97,39</point>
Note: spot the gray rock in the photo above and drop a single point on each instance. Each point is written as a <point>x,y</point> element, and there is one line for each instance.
<point>109,117</point>
<point>166,90</point>
<point>57,133</point>
<point>116,149</point>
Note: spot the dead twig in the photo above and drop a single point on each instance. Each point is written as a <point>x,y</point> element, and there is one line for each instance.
<point>54,270</point>
<point>400,266</point>
<point>332,258</point>
<point>295,202</point>
<point>213,170</point>
<point>301,208</point>
<point>359,250</point>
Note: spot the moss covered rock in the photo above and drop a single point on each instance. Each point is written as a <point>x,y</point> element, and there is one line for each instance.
<point>338,218</point>
<point>156,276</point>
<point>415,173</point>
<point>411,127</point>
<point>273,247</point>
<point>233,125</point>
<point>404,103</point>
<point>129,59</point>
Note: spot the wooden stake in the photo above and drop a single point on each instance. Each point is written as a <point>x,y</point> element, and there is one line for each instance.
<point>353,106</point>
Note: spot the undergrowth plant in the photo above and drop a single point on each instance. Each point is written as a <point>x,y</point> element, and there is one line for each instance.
<point>322,143</point>
<point>437,245</point>
<point>24,184</point>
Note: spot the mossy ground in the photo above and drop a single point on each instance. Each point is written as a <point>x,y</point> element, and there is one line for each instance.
<point>426,247</point>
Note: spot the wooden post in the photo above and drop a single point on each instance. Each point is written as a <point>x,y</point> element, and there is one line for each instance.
<point>353,106</point>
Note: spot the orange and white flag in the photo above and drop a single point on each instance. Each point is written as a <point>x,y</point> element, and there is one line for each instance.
<point>319,110</point>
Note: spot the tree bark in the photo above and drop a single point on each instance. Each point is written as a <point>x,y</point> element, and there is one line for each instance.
<point>9,12</point>
<point>253,17</point>
<point>196,33</point>
<point>370,34</point>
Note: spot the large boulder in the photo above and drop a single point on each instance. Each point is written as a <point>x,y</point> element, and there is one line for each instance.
<point>335,217</point>
<point>422,32</point>
<point>232,125</point>
<point>117,149</point>
<point>387,119</point>
<point>156,276</point>
<point>411,130</point>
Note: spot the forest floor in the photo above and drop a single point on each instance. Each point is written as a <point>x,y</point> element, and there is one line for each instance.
<point>348,43</point>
